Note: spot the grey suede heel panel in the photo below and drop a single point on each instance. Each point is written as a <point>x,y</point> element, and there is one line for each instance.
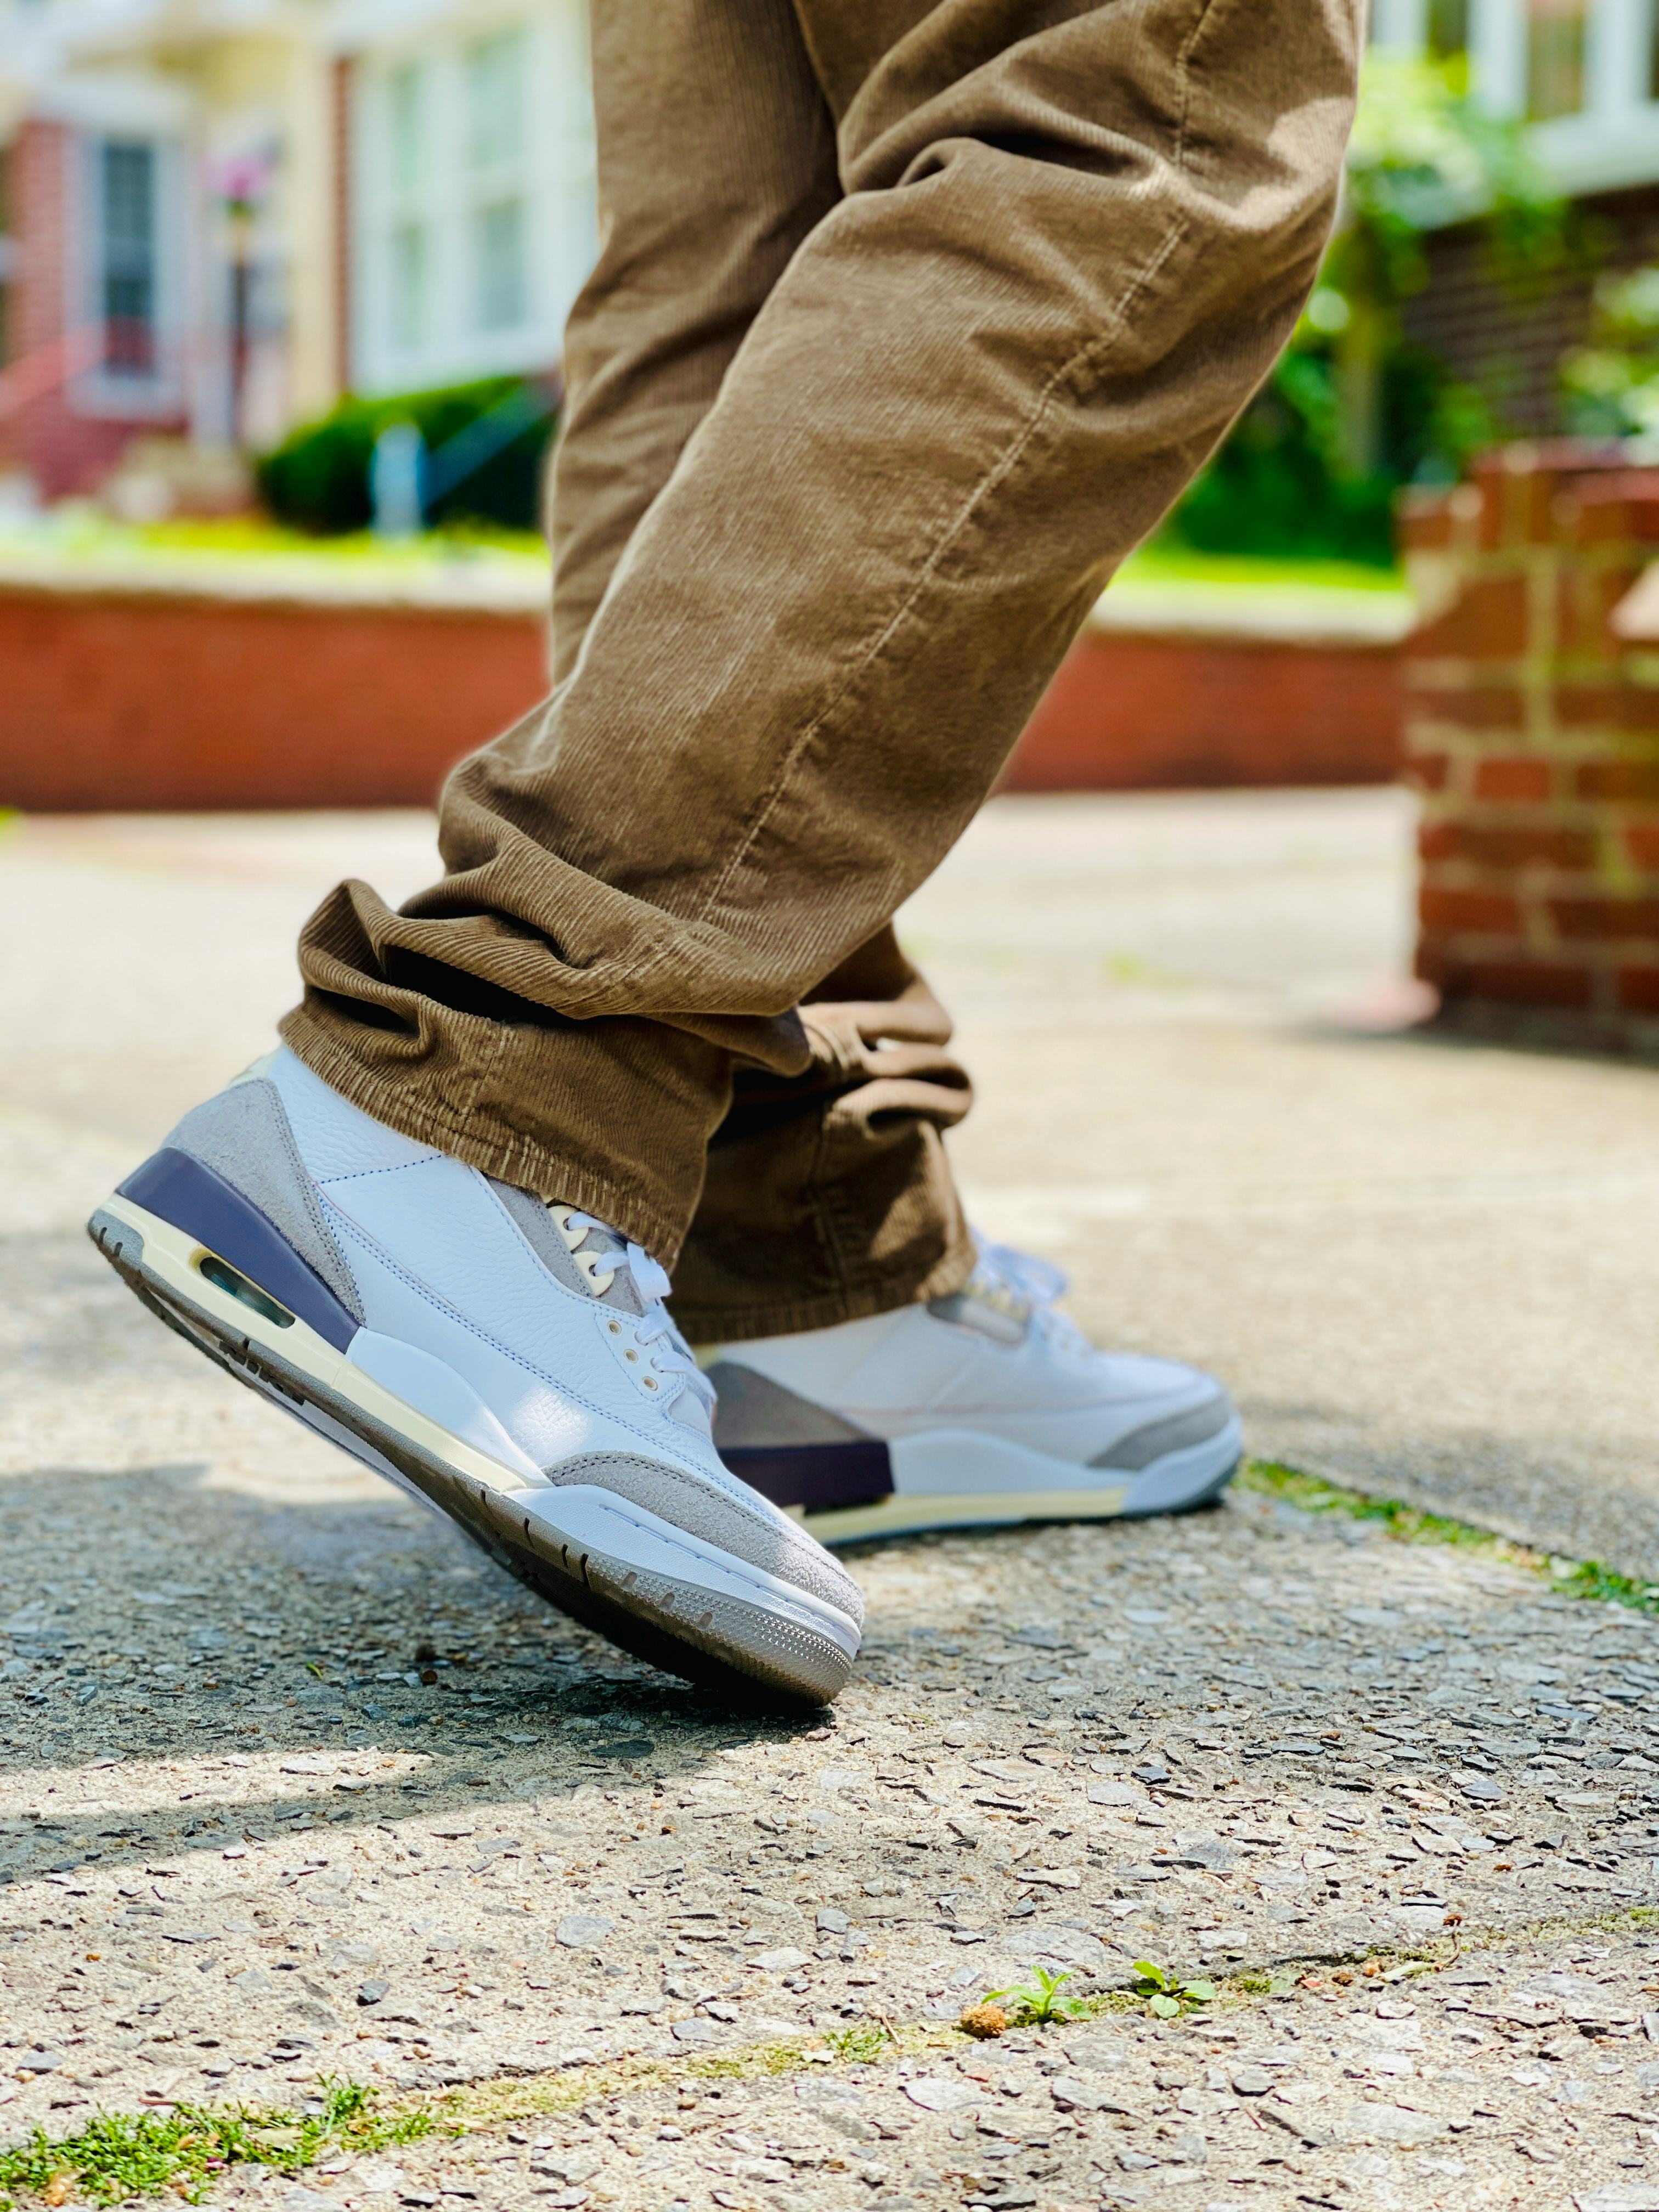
<point>1177,1433</point>
<point>752,1533</point>
<point>754,1413</point>
<point>243,1134</point>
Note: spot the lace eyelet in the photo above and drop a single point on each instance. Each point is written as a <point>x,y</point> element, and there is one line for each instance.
<point>631,1355</point>
<point>649,1383</point>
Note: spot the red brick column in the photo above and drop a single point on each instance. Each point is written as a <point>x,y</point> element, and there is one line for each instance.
<point>1532,730</point>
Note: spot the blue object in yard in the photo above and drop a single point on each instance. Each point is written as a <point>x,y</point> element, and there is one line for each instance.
<point>396,481</point>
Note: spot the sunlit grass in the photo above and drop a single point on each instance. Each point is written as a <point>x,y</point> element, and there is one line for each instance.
<point>183,2151</point>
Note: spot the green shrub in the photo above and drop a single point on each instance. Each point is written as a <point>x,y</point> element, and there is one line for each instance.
<point>1279,484</point>
<point>1611,385</point>
<point>317,479</point>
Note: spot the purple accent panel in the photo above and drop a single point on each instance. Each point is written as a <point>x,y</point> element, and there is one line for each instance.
<point>822,1478</point>
<point>193,1197</point>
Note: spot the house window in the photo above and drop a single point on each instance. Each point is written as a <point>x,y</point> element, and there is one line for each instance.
<point>1555,58</point>
<point>408,273</point>
<point>127,285</point>
<point>498,263</point>
<point>495,71</point>
<point>472,214</point>
<point>1447,27</point>
<point>406,102</point>
<point>495,101</point>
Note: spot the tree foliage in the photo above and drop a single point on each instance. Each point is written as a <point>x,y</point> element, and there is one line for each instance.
<point>1353,408</point>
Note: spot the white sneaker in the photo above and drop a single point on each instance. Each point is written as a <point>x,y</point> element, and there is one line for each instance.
<point>510,1362</point>
<point>985,1407</point>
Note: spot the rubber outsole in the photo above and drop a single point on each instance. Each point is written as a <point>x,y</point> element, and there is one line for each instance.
<point>747,1654</point>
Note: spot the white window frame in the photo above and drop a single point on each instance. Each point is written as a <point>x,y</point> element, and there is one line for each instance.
<point>162,395</point>
<point>555,180</point>
<point>1614,140</point>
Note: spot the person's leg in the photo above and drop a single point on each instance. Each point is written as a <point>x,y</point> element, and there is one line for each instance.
<point>716,158</point>
<point>1073,238</point>
<point>827,1195</point>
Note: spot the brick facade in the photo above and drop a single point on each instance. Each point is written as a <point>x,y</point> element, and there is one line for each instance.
<point>64,448</point>
<point>1508,340</point>
<point>1532,731</point>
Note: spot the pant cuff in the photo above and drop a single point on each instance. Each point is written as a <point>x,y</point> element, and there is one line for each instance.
<point>527,1165</point>
<point>743,1321</point>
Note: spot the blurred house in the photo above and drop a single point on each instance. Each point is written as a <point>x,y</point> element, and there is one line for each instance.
<point>1585,74</point>
<point>217,215</point>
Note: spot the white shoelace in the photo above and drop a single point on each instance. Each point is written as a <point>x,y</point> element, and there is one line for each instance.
<point>1035,1283</point>
<point>668,1350</point>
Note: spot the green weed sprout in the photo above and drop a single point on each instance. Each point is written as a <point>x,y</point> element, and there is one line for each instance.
<point>1040,2000</point>
<point>1168,1997</point>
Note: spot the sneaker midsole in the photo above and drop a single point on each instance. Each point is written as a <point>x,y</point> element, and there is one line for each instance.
<point>966,1478</point>
<point>581,1515</point>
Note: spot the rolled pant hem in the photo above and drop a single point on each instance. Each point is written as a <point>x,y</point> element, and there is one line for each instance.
<point>742,1324</point>
<point>525,1166</point>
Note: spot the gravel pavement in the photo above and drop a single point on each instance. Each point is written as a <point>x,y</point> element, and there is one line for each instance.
<point>293,1786</point>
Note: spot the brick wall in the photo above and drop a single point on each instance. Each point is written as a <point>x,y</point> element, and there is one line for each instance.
<point>1532,731</point>
<point>116,695</point>
<point>142,701</point>
<point>1131,711</point>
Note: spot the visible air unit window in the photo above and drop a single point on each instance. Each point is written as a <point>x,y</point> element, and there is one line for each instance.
<point>127,210</point>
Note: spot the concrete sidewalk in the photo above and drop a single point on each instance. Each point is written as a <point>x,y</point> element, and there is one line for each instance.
<point>656,1956</point>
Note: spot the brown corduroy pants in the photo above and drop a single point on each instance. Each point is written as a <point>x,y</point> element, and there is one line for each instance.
<point>909,320</point>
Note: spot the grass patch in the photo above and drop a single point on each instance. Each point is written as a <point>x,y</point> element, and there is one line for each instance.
<point>1165,562</point>
<point>760,2059</point>
<point>1416,1524</point>
<point>861,2045</point>
<point>73,529</point>
<point>183,2151</point>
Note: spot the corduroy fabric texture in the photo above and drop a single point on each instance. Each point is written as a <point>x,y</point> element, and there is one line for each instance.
<point>909,321</point>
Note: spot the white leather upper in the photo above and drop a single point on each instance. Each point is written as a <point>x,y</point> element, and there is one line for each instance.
<point>441,1266</point>
<point>910,1372</point>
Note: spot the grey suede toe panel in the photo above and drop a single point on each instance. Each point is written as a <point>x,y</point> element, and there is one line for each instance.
<point>756,1534</point>
<point>1177,1433</point>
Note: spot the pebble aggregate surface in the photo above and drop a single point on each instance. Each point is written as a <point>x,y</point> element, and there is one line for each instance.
<point>408,1829</point>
